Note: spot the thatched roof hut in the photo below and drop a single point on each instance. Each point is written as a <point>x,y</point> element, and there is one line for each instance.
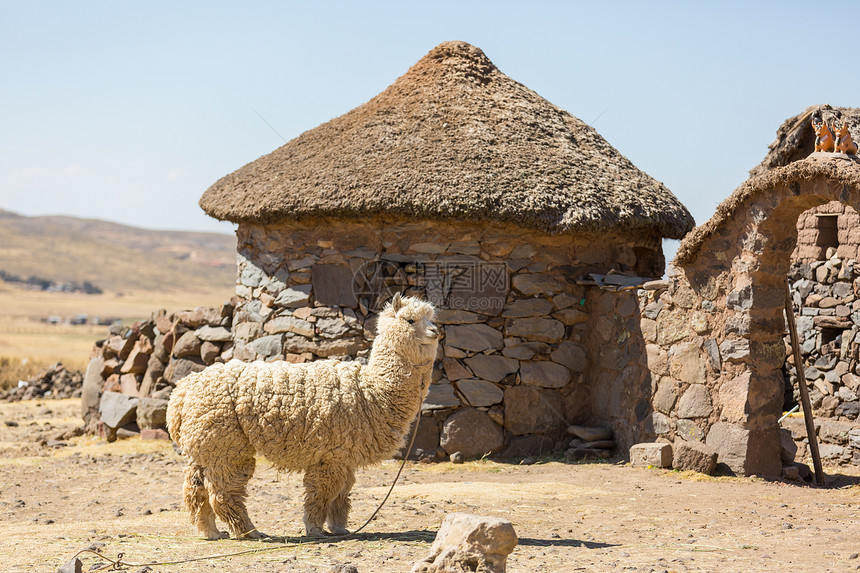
<point>795,138</point>
<point>453,138</point>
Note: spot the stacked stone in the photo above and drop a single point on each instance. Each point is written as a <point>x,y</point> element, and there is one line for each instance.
<point>52,382</point>
<point>148,358</point>
<point>827,292</point>
<point>511,371</point>
<point>828,328</point>
<point>686,361</point>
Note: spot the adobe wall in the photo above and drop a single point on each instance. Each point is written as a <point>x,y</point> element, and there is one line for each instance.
<point>528,347</point>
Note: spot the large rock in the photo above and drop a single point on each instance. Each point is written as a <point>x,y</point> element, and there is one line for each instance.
<point>539,329</point>
<point>788,447</point>
<point>454,370</point>
<point>154,374</point>
<point>694,456</point>
<point>346,346</point>
<point>137,358</point>
<point>738,449</point>
<point>531,284</point>
<point>92,385</point>
<point>271,345</point>
<point>331,327</point>
<point>472,433</point>
<point>470,543</point>
<point>695,402</point>
<point>480,393</point>
<point>187,345</point>
<point>666,395</point>
<point>294,296</point>
<point>117,410</point>
<point>492,367</point>
<point>214,333</point>
<point>571,355</point>
<point>524,307</point>
<point>530,410</point>
<point>179,368</point>
<point>199,316</point>
<point>292,324</point>
<point>651,454</point>
<point>686,363</point>
<point>544,374</point>
<point>590,433</point>
<point>734,350</point>
<point>151,413</point>
<point>474,337</point>
<point>440,396</point>
<point>426,439</point>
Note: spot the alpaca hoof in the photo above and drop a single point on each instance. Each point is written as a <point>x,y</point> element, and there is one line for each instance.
<point>335,530</point>
<point>254,534</point>
<point>217,535</point>
<point>316,532</point>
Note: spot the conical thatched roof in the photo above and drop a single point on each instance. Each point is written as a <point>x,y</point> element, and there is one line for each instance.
<point>453,138</point>
<point>795,138</point>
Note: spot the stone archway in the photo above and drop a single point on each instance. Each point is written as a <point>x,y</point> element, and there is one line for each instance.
<point>736,267</point>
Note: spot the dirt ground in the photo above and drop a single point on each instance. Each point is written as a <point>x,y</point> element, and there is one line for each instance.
<point>123,498</point>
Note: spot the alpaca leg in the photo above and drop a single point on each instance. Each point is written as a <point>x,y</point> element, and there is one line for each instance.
<point>196,501</point>
<point>227,493</point>
<point>338,509</point>
<point>323,483</point>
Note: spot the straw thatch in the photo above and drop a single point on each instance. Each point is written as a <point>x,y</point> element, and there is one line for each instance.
<point>828,166</point>
<point>795,138</point>
<point>453,138</point>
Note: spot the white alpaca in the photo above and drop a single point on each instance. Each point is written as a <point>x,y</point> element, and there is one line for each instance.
<point>325,418</point>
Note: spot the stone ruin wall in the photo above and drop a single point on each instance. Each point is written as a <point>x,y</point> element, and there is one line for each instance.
<point>825,284</point>
<point>717,344</point>
<point>527,348</point>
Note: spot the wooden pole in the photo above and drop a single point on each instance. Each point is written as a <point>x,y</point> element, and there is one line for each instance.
<point>801,385</point>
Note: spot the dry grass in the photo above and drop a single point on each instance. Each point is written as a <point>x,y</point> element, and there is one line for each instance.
<point>13,369</point>
<point>28,344</point>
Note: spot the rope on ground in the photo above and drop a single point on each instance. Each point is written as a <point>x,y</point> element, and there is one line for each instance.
<point>119,563</point>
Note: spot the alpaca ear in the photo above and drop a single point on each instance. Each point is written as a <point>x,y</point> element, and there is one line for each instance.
<point>396,302</point>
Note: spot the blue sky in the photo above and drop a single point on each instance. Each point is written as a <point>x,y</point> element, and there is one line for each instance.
<point>129,111</point>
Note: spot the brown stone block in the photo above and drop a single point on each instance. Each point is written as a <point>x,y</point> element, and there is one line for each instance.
<point>129,384</point>
<point>112,384</point>
<point>154,434</point>
<point>163,321</point>
<point>109,367</point>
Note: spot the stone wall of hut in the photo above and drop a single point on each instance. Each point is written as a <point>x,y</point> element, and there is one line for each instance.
<point>717,345</point>
<point>825,283</point>
<point>530,345</point>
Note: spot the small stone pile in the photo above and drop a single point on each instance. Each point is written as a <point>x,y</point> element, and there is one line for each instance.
<point>53,382</point>
<point>590,442</point>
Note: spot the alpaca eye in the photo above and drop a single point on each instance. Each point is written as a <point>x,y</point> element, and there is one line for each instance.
<point>410,320</point>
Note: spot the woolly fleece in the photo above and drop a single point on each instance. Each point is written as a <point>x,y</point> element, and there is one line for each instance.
<point>325,418</point>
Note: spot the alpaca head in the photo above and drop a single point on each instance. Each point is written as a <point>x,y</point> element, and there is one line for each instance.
<point>408,323</point>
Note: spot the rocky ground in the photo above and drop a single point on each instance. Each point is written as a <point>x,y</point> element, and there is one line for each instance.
<point>61,493</point>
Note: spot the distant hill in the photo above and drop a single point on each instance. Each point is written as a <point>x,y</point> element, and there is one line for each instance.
<point>114,257</point>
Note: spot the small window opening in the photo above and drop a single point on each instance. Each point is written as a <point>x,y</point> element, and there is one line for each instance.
<point>828,233</point>
<point>831,339</point>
